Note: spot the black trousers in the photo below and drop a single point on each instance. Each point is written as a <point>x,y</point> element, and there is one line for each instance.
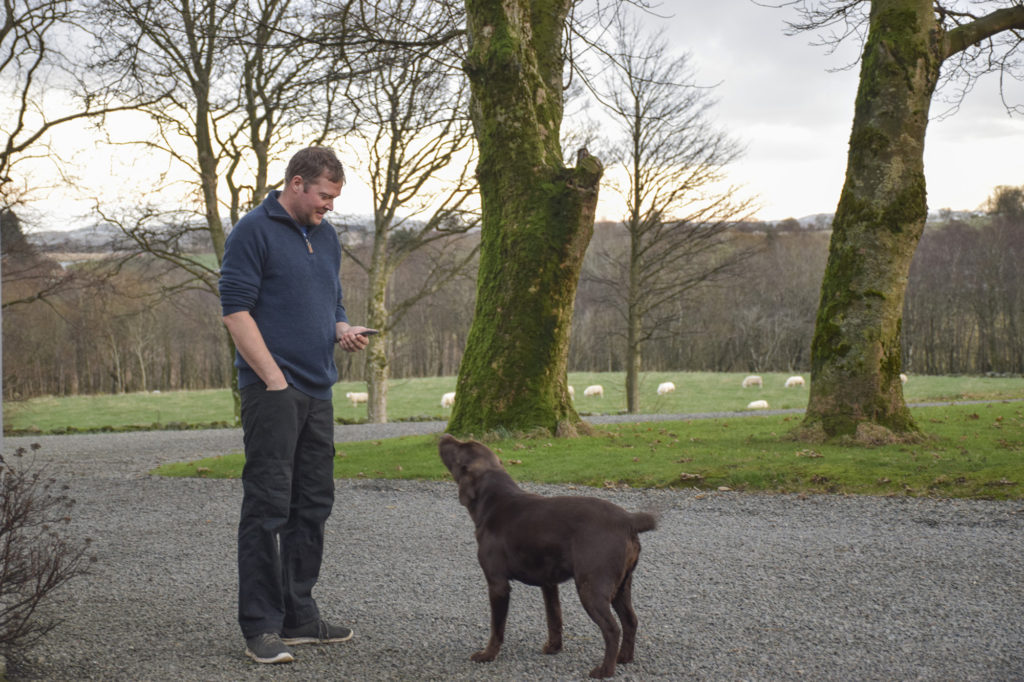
<point>288,493</point>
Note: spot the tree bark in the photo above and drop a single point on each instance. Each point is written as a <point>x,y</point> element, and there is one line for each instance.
<point>634,323</point>
<point>377,368</point>
<point>538,218</point>
<point>856,349</point>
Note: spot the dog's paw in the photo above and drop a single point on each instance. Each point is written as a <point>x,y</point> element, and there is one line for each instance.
<point>552,647</point>
<point>484,656</point>
<point>602,671</point>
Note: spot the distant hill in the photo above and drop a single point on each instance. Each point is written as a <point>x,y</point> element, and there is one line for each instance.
<point>96,238</point>
<point>106,238</point>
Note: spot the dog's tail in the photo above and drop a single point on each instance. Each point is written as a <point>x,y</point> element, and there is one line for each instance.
<point>643,521</point>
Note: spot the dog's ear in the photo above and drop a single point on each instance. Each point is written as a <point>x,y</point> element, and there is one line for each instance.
<point>459,458</point>
<point>475,460</point>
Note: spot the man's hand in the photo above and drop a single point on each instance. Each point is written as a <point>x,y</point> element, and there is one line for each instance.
<point>350,339</point>
<point>250,344</point>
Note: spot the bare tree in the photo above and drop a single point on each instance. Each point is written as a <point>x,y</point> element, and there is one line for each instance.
<point>37,68</point>
<point>280,67</point>
<point>179,49</point>
<point>412,129</point>
<point>27,276</point>
<point>1007,203</point>
<point>678,210</point>
<point>409,117</point>
<point>240,84</point>
<point>909,47</point>
<point>36,65</point>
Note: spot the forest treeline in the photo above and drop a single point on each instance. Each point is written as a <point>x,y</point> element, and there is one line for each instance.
<point>118,324</point>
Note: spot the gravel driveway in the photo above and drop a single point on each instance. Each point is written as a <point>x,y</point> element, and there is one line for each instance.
<point>731,586</point>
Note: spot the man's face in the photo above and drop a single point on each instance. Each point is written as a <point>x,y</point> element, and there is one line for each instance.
<point>313,199</point>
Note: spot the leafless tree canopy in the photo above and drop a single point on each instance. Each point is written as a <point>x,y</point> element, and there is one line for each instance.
<point>40,70</point>
<point>678,207</point>
<point>959,318</point>
<point>971,54</point>
<point>244,83</point>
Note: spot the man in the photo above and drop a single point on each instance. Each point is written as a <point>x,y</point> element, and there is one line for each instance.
<point>282,304</point>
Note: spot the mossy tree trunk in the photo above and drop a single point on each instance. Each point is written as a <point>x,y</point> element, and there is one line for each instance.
<point>538,218</point>
<point>855,354</point>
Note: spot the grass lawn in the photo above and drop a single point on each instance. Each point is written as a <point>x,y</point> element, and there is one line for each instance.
<point>419,399</point>
<point>971,451</point>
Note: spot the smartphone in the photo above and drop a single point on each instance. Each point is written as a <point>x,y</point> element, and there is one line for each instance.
<point>367,332</point>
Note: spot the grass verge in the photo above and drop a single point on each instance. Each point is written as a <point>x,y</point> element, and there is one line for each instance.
<point>972,451</point>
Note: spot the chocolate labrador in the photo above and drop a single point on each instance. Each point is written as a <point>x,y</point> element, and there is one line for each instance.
<point>544,541</point>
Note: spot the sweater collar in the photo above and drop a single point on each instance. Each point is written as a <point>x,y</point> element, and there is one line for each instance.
<point>275,210</point>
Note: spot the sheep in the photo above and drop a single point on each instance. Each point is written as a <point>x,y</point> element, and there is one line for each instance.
<point>666,387</point>
<point>758,405</point>
<point>572,392</point>
<point>448,399</point>
<point>597,390</point>
<point>357,398</point>
<point>903,378</point>
<point>753,380</point>
<point>794,381</point>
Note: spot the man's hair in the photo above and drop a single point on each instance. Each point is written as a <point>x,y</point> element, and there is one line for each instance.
<point>312,162</point>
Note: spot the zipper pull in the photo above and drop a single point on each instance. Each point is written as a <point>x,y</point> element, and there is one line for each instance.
<point>308,245</point>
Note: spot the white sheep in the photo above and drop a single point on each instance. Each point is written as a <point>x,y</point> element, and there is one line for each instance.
<point>357,398</point>
<point>448,399</point>
<point>753,380</point>
<point>666,387</point>
<point>597,390</point>
<point>758,405</point>
<point>903,378</point>
<point>572,392</point>
<point>794,381</point>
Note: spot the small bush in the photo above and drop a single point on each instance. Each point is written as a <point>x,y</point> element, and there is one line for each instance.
<point>35,556</point>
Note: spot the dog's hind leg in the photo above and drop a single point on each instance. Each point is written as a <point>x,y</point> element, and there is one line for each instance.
<point>596,600</point>
<point>498,591</point>
<point>553,610</point>
<point>622,602</point>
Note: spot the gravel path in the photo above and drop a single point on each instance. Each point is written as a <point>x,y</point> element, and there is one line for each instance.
<point>730,587</point>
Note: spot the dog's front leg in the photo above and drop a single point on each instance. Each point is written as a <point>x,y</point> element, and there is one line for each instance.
<point>553,609</point>
<point>498,590</point>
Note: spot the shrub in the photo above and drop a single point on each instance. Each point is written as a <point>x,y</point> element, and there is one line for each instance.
<point>36,557</point>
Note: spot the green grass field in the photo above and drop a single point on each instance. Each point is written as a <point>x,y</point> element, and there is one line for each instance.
<point>419,399</point>
<point>971,451</point>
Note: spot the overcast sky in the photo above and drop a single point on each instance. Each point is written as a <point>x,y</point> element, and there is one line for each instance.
<point>785,100</point>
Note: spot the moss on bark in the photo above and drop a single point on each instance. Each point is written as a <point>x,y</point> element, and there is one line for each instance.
<point>538,218</point>
<point>855,354</point>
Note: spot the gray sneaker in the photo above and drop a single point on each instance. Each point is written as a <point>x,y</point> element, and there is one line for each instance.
<point>316,632</point>
<point>268,648</point>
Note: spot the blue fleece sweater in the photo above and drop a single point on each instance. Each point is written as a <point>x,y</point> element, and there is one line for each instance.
<point>291,288</point>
